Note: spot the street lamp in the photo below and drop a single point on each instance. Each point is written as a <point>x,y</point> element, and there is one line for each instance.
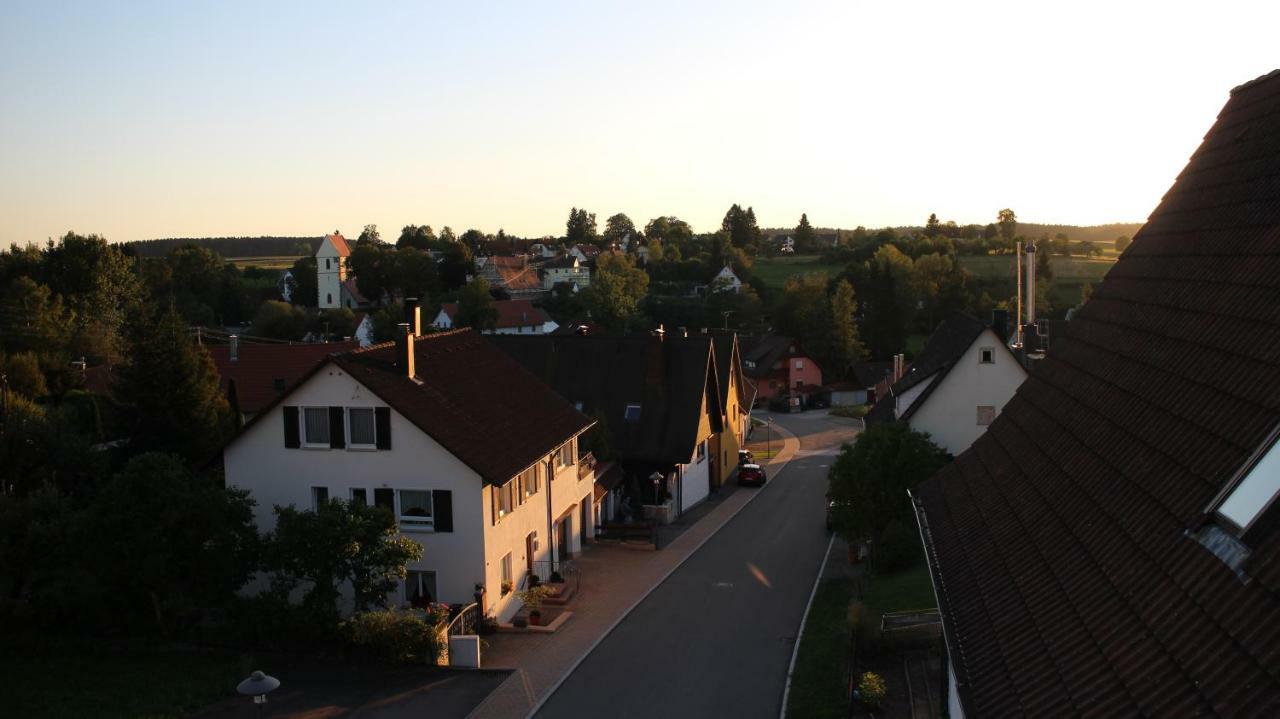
<point>258,685</point>
<point>657,479</point>
<point>768,436</point>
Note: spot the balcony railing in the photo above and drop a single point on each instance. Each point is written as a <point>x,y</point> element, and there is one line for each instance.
<point>586,465</point>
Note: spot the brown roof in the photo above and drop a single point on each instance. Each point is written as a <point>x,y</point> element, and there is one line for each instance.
<point>340,243</point>
<point>263,371</point>
<point>511,313</point>
<point>354,290</point>
<point>1063,542</point>
<point>516,273</point>
<point>479,404</point>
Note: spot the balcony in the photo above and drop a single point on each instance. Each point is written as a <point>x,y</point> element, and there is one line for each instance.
<point>586,465</point>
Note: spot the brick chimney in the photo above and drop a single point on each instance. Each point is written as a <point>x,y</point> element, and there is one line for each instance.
<point>404,350</point>
<point>413,315</point>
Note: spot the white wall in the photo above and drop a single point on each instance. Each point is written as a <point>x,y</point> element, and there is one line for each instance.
<point>329,281</point>
<point>954,710</point>
<point>259,462</point>
<point>905,400</point>
<point>950,412</point>
<point>695,485</point>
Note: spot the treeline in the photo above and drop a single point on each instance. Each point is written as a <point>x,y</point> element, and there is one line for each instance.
<point>228,246</point>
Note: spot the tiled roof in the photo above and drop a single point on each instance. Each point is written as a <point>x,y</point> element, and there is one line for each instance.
<point>340,244</point>
<point>764,352</point>
<point>516,273</point>
<point>481,406</point>
<point>263,371</point>
<point>511,313</point>
<point>1060,542</point>
<point>354,290</point>
<point>668,379</point>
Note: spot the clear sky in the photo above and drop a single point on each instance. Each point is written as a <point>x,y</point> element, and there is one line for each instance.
<point>162,119</point>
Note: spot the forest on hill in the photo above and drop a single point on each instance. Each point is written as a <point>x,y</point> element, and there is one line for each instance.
<point>229,246</point>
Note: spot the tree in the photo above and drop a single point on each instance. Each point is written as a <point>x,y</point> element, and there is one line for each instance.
<point>581,227</point>
<point>171,385</point>
<point>843,344</point>
<point>369,235</point>
<point>33,319</point>
<point>1122,243</point>
<point>1044,265</point>
<point>456,265</point>
<point>167,542</point>
<point>98,282</point>
<point>303,288</point>
<point>446,235</point>
<point>869,480</point>
<point>617,227</point>
<point>1088,249</point>
<point>1008,223</point>
<point>804,235</point>
<point>416,237</point>
<point>373,267</point>
<point>804,311</point>
<point>339,542</point>
<point>22,373</point>
<point>670,231</point>
<point>475,306</point>
<point>279,320</point>
<point>616,291</point>
<point>932,227</point>
<point>474,239</point>
<point>416,274</point>
<point>740,225</point>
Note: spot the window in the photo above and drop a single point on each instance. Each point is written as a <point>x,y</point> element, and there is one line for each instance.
<point>987,355</point>
<point>328,298</point>
<point>319,496</point>
<point>577,406</point>
<point>420,588</point>
<point>415,509</point>
<point>360,496</point>
<point>326,263</point>
<point>566,456</point>
<point>507,583</point>
<point>385,498</point>
<point>1255,491</point>
<point>632,413</point>
<point>504,500</point>
<point>701,451</point>
<point>986,414</point>
<point>527,483</point>
<point>799,364</point>
<point>360,420</point>
<point>315,422</point>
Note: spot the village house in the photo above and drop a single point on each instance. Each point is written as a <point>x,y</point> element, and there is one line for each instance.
<point>726,281</point>
<point>1110,547</point>
<point>515,317</point>
<point>252,376</point>
<point>780,367</point>
<point>656,401</point>
<point>586,253</point>
<point>737,394</point>
<point>515,275</point>
<point>957,386</point>
<point>569,270</point>
<point>476,459</point>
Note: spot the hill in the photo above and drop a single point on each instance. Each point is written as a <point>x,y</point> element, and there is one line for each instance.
<point>229,246</point>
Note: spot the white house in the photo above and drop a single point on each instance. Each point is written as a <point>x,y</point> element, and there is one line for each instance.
<point>568,269</point>
<point>957,386</point>
<point>515,317</point>
<point>726,281</point>
<point>475,458</point>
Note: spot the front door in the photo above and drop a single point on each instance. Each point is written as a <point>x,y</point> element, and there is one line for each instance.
<point>530,545</point>
<point>562,537</point>
<point>585,515</point>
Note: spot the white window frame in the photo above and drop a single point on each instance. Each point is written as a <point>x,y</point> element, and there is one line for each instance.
<point>986,355</point>
<point>302,419</point>
<point>799,364</point>
<point>415,576</point>
<point>316,490</point>
<point>415,523</point>
<point>507,581</point>
<point>351,442</point>
<point>1252,491</point>
<point>627,411</point>
<point>565,455</point>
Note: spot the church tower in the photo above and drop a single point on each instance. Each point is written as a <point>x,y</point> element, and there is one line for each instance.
<point>331,270</point>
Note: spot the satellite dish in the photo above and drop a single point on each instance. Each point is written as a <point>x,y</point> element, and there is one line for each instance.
<point>258,684</point>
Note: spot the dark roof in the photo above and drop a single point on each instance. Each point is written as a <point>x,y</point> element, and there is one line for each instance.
<point>668,379</point>
<point>263,372</point>
<point>948,343</point>
<point>562,262</point>
<point>511,313</point>
<point>869,374</point>
<point>765,351</point>
<point>728,360</point>
<point>1062,542</point>
<point>475,401</point>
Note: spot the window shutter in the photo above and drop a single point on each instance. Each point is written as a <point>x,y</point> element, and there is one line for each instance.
<point>337,432</point>
<point>291,439</point>
<point>442,509</point>
<point>493,505</point>
<point>382,420</point>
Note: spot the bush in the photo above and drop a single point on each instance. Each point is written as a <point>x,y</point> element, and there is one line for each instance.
<point>271,621</point>
<point>871,689</point>
<point>899,548</point>
<point>852,411</point>
<point>393,636</point>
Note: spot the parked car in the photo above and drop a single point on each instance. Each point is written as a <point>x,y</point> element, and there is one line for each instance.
<point>831,510</point>
<point>745,457</point>
<point>752,474</point>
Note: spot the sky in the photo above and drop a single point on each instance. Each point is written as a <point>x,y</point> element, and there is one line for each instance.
<point>141,120</point>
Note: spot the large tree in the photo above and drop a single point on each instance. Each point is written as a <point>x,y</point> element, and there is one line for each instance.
<point>303,288</point>
<point>456,265</point>
<point>844,347</point>
<point>617,227</point>
<point>803,235</point>
<point>669,230</point>
<point>1008,223</point>
<point>99,283</point>
<point>581,227</point>
<point>34,319</point>
<point>279,320</point>
<point>369,234</point>
<point>932,227</point>
<point>418,237</point>
<point>171,385</point>
<point>741,227</point>
<point>615,292</point>
<point>475,306</point>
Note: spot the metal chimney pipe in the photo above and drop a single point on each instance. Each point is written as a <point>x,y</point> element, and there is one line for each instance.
<point>1031,283</point>
<point>235,348</point>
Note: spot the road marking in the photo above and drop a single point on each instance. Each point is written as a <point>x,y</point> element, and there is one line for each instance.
<point>795,650</point>
<point>722,585</point>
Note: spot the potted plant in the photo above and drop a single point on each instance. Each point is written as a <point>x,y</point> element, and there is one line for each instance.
<point>532,600</point>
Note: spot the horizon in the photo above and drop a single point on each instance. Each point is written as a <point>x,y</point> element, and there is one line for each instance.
<point>215,121</point>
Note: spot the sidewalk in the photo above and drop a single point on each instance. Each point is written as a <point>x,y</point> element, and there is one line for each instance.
<point>614,581</point>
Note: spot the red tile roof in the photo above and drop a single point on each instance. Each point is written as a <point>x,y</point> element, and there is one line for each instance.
<point>511,313</point>
<point>1062,542</point>
<point>354,290</point>
<point>262,371</point>
<point>516,273</point>
<point>340,243</point>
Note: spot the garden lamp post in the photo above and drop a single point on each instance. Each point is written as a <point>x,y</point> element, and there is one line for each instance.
<point>657,479</point>
<point>768,436</point>
<point>258,685</point>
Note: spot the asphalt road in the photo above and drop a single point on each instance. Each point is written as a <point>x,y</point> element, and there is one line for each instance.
<point>715,639</point>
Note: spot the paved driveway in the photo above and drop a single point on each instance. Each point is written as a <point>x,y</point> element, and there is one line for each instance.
<point>715,638</point>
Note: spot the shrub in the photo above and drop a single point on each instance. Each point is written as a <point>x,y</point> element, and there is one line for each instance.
<point>271,621</point>
<point>871,689</point>
<point>393,636</point>
<point>852,411</point>
<point>899,548</point>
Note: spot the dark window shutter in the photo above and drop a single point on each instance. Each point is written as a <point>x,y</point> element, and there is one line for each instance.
<point>337,433</point>
<point>382,420</point>
<point>442,509</point>
<point>291,439</point>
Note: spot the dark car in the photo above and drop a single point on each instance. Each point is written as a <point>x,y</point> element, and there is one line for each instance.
<point>832,506</point>
<point>752,474</point>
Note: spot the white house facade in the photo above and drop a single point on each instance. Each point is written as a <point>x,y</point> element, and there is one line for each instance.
<point>569,270</point>
<point>726,281</point>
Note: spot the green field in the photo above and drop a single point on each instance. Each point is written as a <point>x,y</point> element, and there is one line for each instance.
<point>266,263</point>
<point>774,271</point>
<point>1065,269</point>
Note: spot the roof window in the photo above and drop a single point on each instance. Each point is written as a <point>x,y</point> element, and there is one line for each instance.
<point>1255,488</point>
<point>632,413</point>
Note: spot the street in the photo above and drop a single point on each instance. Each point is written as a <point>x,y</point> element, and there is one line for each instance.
<point>715,639</point>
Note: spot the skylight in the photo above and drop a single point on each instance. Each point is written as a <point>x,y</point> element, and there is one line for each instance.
<point>1256,491</point>
<point>632,413</point>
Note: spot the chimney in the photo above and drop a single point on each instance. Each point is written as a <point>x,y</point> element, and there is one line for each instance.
<point>413,315</point>
<point>1031,283</point>
<point>404,350</point>
<point>235,348</point>
<point>682,331</point>
<point>1000,324</point>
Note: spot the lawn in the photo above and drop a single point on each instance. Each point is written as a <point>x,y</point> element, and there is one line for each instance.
<point>901,591</point>
<point>72,677</point>
<point>266,263</point>
<point>818,686</point>
<point>774,271</point>
<point>1065,269</point>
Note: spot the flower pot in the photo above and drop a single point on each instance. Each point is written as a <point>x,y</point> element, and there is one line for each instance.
<point>535,618</point>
